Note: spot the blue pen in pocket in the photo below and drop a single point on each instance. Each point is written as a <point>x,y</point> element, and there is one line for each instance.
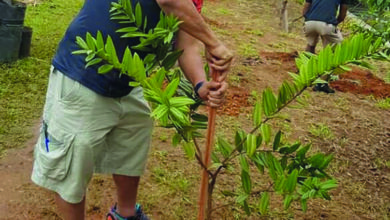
<point>46,137</point>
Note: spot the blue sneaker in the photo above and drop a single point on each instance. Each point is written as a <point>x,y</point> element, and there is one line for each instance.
<point>139,214</point>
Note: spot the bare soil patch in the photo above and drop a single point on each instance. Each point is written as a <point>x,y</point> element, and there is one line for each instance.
<point>357,81</point>
<point>363,82</point>
<point>236,101</point>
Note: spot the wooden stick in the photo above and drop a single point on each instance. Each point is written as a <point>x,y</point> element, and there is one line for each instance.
<point>207,159</point>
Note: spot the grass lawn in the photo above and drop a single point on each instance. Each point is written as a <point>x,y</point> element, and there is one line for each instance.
<point>23,83</point>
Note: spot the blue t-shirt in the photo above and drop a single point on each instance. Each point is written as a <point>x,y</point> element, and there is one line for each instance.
<point>323,10</point>
<point>95,16</point>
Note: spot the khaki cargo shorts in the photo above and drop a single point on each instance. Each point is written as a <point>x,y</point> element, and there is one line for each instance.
<point>84,133</point>
<point>329,33</point>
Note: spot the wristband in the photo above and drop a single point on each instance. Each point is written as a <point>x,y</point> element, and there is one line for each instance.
<point>197,87</point>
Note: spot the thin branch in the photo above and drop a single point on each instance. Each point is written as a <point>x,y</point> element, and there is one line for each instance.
<point>197,147</point>
<point>198,157</point>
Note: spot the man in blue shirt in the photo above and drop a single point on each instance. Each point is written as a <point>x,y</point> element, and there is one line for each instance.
<point>321,21</point>
<point>94,123</point>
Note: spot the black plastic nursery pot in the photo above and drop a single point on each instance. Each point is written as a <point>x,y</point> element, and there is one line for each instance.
<point>11,29</point>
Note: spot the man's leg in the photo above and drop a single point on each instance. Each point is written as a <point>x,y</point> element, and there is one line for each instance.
<point>312,35</point>
<point>71,211</point>
<point>332,36</point>
<point>311,49</point>
<point>126,187</point>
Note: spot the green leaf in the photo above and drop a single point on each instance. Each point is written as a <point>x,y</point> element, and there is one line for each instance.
<point>345,68</point>
<point>215,158</point>
<point>199,117</point>
<point>304,205</point>
<point>251,144</point>
<point>257,113</point>
<point>238,140</point>
<point>138,15</point>
<point>264,203</point>
<point>317,160</point>
<point>110,49</point>
<point>246,208</point>
<point>90,41</point>
<point>269,102</point>
<point>226,148</point>
<point>160,112</point>
<point>127,30</point>
<point>246,182</point>
<point>78,52</point>
<point>326,161</point>
<point>328,185</point>
<point>176,139</point>
<point>105,68</point>
<point>266,132</point>
<point>171,88</point>
<point>292,181</point>
<point>171,59</point>
<point>134,84</point>
<point>82,43</point>
<point>244,163</point>
<point>93,62</point>
<point>242,198</point>
<point>289,150</point>
<point>302,151</point>
<point>90,57</point>
<point>319,81</point>
<point>259,163</point>
<point>189,149</point>
<point>179,116</point>
<point>277,139</point>
<point>180,101</point>
<point>287,202</point>
<point>99,41</point>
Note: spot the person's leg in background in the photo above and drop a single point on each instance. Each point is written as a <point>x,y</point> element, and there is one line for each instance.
<point>312,36</point>
<point>331,35</point>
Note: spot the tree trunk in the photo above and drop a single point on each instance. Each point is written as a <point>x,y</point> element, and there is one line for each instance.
<point>284,16</point>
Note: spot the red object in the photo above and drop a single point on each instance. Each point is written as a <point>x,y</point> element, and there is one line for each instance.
<point>207,159</point>
<point>198,4</point>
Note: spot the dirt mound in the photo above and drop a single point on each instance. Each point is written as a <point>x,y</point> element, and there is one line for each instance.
<point>280,56</point>
<point>357,81</point>
<point>236,101</point>
<point>363,82</point>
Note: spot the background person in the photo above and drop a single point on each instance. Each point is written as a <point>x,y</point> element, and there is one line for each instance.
<point>321,21</point>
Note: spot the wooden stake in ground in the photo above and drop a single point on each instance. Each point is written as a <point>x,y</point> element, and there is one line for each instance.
<point>207,159</point>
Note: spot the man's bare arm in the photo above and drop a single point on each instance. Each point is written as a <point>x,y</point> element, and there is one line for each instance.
<point>342,13</point>
<point>306,8</point>
<point>190,61</point>
<point>195,26</point>
<point>192,65</point>
<point>193,23</point>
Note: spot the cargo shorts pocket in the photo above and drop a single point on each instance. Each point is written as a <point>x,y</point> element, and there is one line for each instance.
<point>54,152</point>
<point>68,89</point>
